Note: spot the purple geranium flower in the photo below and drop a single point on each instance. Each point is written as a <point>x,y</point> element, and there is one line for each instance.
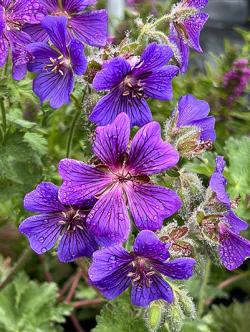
<point>181,49</point>
<point>192,112</point>
<point>57,221</point>
<point>132,81</point>
<point>233,249</point>
<point>121,178</point>
<point>88,27</point>
<point>56,64</point>
<point>114,269</point>
<point>13,15</point>
<point>186,27</point>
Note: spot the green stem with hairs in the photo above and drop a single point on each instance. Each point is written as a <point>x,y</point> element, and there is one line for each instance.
<point>203,288</point>
<point>4,123</point>
<point>74,122</point>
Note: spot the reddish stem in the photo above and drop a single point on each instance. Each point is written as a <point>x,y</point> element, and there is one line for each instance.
<point>73,286</point>
<point>87,303</point>
<point>76,323</point>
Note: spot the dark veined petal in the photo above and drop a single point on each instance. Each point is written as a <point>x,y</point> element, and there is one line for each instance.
<point>142,295</point>
<point>91,27</point>
<point>199,4</point>
<point>51,6</point>
<point>193,26</point>
<point>78,59</point>
<point>41,53</point>
<point>17,37</point>
<point>20,58</point>
<point>108,107</point>
<point>56,27</point>
<point>191,109</point>
<point>36,32</point>
<point>2,20</point>
<point>108,221</point>
<point>153,58</point>
<point>147,244</point>
<point>28,11</point>
<point>109,271</point>
<point>150,204</point>
<point>206,127</point>
<point>42,231</point>
<point>4,49</point>
<point>149,154</point>
<point>81,181</point>
<point>19,72</point>
<point>158,84</point>
<point>178,268</point>
<point>218,183</point>
<point>111,141</point>
<point>75,244</point>
<point>182,49</point>
<point>236,224</point>
<point>74,6</point>
<point>54,87</point>
<point>233,249</point>
<point>112,74</point>
<point>44,199</point>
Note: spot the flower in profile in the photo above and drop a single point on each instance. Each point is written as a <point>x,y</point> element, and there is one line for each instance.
<point>13,15</point>
<point>190,128</point>
<point>236,80</point>
<point>121,178</point>
<point>114,269</point>
<point>55,221</point>
<point>224,227</point>
<point>181,50</point>
<point>89,27</point>
<point>56,64</point>
<point>188,21</point>
<point>131,82</point>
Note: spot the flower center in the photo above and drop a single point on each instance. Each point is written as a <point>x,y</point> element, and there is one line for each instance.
<point>142,272</point>
<point>72,219</point>
<point>132,87</point>
<point>57,65</point>
<point>62,13</point>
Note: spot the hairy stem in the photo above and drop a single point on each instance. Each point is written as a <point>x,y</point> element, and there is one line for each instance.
<point>4,123</point>
<point>163,19</point>
<point>203,288</point>
<point>19,264</point>
<point>74,122</point>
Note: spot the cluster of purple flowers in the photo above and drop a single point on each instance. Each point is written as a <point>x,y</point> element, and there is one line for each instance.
<point>48,37</point>
<point>236,80</point>
<point>222,225</point>
<point>90,214</point>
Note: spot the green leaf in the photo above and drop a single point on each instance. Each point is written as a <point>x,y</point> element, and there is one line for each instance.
<point>27,306</point>
<point>238,172</point>
<point>234,318</point>
<point>37,142</point>
<point>120,315</point>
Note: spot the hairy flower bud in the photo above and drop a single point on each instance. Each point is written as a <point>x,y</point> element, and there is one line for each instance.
<point>154,315</point>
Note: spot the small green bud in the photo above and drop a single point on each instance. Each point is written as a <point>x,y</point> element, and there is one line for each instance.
<point>174,317</point>
<point>154,316</point>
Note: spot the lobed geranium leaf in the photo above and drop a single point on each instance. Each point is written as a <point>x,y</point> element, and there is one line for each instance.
<point>28,306</point>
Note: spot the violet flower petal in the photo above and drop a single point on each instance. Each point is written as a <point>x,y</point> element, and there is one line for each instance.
<point>150,204</point>
<point>147,244</point>
<point>81,181</point>
<point>149,154</point>
<point>108,221</point>
<point>111,141</point>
